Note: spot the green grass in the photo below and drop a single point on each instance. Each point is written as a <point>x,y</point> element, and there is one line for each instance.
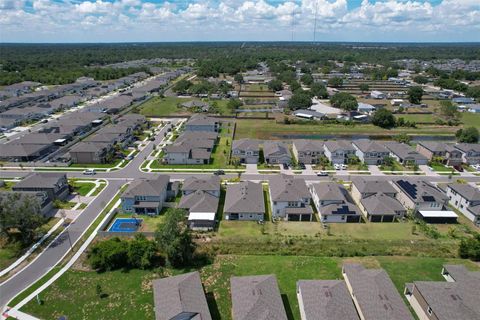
<point>96,165</point>
<point>440,167</point>
<point>83,188</point>
<point>396,166</point>
<point>129,294</point>
<point>471,120</point>
<point>158,107</point>
<point>418,118</point>
<point>99,189</point>
<point>8,186</point>
<point>64,204</point>
<point>8,254</point>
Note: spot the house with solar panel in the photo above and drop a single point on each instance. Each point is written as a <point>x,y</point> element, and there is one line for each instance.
<point>333,203</point>
<point>427,202</point>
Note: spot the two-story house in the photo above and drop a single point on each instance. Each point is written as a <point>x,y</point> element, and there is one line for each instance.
<point>146,196</point>
<point>466,199</point>
<point>276,152</point>
<point>339,151</point>
<point>334,203</point>
<point>308,151</point>
<point>404,154</point>
<point>439,150</point>
<point>470,152</point>
<point>55,185</point>
<point>244,201</point>
<point>370,152</point>
<point>247,150</point>
<point>290,198</point>
<point>199,122</point>
<point>91,152</point>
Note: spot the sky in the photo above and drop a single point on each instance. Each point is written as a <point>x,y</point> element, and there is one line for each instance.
<point>234,20</point>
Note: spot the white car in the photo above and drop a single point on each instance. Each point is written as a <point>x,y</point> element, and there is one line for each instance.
<point>344,167</point>
<point>322,173</point>
<point>337,166</point>
<point>89,172</point>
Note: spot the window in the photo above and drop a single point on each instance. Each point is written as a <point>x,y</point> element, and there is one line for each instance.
<point>429,310</point>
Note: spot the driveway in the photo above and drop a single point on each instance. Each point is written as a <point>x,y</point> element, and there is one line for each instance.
<point>374,170</point>
<point>428,171</point>
<point>251,168</point>
<point>308,170</point>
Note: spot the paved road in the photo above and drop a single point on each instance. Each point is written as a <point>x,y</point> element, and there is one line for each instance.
<point>57,249</point>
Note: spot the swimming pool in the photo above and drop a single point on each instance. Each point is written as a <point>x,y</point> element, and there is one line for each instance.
<point>125,225</point>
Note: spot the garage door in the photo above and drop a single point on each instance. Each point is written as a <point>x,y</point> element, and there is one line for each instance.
<point>305,217</point>
<point>353,219</point>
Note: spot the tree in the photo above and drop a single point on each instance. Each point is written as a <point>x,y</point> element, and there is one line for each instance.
<point>467,135</point>
<point>402,138</point>
<point>174,239</point>
<point>300,100</point>
<point>364,87</point>
<point>344,101</point>
<point>275,85</point>
<point>318,90</point>
<point>307,79</point>
<point>335,82</point>
<point>449,110</point>
<point>141,252</point>
<point>383,118</point>
<point>470,248</point>
<point>420,79</point>
<point>474,92</point>
<point>108,255</point>
<point>234,104</point>
<point>238,78</point>
<point>182,86</point>
<point>415,95</point>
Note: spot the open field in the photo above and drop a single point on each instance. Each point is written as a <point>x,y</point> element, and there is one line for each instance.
<point>168,106</point>
<point>74,294</point>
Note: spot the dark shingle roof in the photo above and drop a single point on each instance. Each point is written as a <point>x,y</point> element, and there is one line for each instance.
<point>286,188</point>
<point>147,187</point>
<point>244,197</point>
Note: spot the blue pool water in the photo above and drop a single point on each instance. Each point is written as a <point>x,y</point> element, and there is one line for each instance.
<point>125,225</point>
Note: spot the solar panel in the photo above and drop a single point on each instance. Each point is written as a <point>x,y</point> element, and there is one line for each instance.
<point>409,188</point>
<point>343,210</point>
<point>428,198</point>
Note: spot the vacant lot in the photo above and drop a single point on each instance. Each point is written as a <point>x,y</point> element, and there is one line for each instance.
<point>168,106</point>
<point>129,294</point>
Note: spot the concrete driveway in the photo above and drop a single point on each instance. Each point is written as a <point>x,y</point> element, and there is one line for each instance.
<point>251,168</point>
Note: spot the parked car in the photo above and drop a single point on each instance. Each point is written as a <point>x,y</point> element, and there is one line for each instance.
<point>89,172</point>
<point>285,166</point>
<point>129,158</point>
<point>336,166</point>
<point>344,167</point>
<point>322,173</point>
<point>458,168</point>
<point>219,172</point>
<point>151,138</point>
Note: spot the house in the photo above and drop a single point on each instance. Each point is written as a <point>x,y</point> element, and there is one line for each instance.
<point>377,200</point>
<point>447,152</point>
<point>466,199</point>
<point>256,297</point>
<point>365,107</point>
<point>308,114</point>
<point>17,200</point>
<point>16,152</point>
<point>308,151</point>
<point>325,300</point>
<point>199,122</point>
<point>55,185</point>
<point>374,294</point>
<point>276,152</point>
<point>339,151</point>
<point>91,152</point>
<point>404,154</point>
<point>191,147</point>
<point>290,198</point>
<point>244,201</point>
<point>474,108</point>
<point>247,150</point>
<point>396,102</point>
<point>200,197</point>
<point>370,152</point>
<point>470,152</point>
<point>456,298</point>
<point>333,203</point>
<point>427,201</point>
<point>195,104</point>
<point>463,100</point>
<point>180,297</point>
<point>377,95</point>
<point>146,196</point>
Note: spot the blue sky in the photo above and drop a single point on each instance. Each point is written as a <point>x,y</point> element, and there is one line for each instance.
<point>235,20</point>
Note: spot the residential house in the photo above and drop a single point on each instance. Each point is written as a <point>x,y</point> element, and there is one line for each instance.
<point>404,154</point>
<point>17,200</point>
<point>377,95</point>
<point>370,152</point>
<point>456,298</point>
<point>333,203</point>
<point>365,107</point>
<point>256,297</point>
<point>55,185</point>
<point>201,197</point>
<point>427,201</point>
<point>377,200</point>
<point>191,148</point>
<point>308,151</point>
<point>470,152</point>
<point>448,153</point>
<point>463,100</point>
<point>276,152</point>
<point>244,201</point>
<point>339,151</point>
<point>180,297</point>
<point>290,198</point>
<point>374,294</point>
<point>308,114</point>
<point>466,199</point>
<point>325,300</point>
<point>199,122</point>
<point>247,150</point>
<point>195,104</point>
<point>91,152</point>
<point>146,196</point>
<point>16,152</point>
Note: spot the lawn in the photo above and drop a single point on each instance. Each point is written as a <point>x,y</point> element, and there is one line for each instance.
<point>270,129</point>
<point>418,118</point>
<point>96,165</point>
<point>159,107</point>
<point>471,120</point>
<point>396,166</point>
<point>83,188</point>
<point>128,294</point>
<point>7,186</point>
<point>149,223</point>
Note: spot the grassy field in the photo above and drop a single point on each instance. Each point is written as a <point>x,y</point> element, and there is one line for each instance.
<point>158,107</point>
<point>83,188</point>
<point>128,294</point>
<point>471,119</point>
<point>7,186</point>
<point>267,129</point>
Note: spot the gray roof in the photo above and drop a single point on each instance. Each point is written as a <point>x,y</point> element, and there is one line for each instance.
<point>303,145</point>
<point>434,146</point>
<point>421,191</point>
<point>309,113</point>
<point>211,183</point>
<point>246,145</point>
<point>466,191</point>
<point>277,148</point>
<point>21,150</point>
<point>287,188</point>
<point>376,295</point>
<point>329,191</point>
<point>366,145</point>
<point>381,204</point>
<point>373,186</point>
<point>182,294</point>
<point>256,297</point>
<point>103,137</point>
<point>403,150</point>
<point>201,120</point>
<point>339,145</point>
<point>199,201</point>
<point>39,138</point>
<point>465,147</point>
<point>40,180</point>
<point>453,300</point>
<point>244,197</point>
<point>147,187</point>
<point>326,300</point>
<point>83,146</point>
